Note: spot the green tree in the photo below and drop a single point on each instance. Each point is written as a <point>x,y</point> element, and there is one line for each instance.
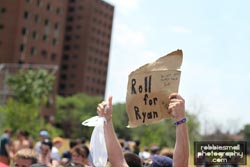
<point>31,89</point>
<point>246,133</point>
<point>18,115</point>
<point>31,86</point>
<point>161,133</point>
<point>72,110</point>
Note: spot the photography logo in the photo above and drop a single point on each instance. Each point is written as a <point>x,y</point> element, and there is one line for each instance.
<point>220,152</point>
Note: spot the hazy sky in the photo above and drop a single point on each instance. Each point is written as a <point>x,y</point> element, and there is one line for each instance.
<point>215,39</point>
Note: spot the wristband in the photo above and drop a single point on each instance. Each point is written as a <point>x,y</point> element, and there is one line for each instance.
<point>183,120</point>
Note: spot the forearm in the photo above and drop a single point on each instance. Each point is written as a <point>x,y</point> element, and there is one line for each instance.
<point>181,153</point>
<point>114,149</point>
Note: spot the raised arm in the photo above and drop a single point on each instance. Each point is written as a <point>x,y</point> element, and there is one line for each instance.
<point>177,109</point>
<point>114,149</point>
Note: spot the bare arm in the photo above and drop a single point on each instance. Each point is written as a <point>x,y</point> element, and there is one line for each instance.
<point>181,153</point>
<point>114,149</point>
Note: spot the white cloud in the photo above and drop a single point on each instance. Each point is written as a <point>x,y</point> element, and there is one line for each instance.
<point>180,29</point>
<point>124,35</point>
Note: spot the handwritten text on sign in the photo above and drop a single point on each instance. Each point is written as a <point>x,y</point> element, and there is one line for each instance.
<point>147,89</point>
<point>148,96</point>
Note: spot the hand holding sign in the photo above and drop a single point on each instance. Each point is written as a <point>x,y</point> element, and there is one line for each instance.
<point>149,88</point>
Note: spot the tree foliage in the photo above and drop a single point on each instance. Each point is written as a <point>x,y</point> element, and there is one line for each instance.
<point>246,133</point>
<point>31,86</point>
<point>19,115</point>
<point>31,89</point>
<point>72,110</point>
<point>161,133</point>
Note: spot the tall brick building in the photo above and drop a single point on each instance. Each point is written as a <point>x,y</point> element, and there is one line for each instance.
<point>75,35</point>
<point>31,31</point>
<point>86,47</point>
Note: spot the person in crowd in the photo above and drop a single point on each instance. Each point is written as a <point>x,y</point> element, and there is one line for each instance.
<point>57,144</point>
<point>29,139</point>
<point>66,155</point>
<point>21,141</point>
<point>43,134</point>
<point>154,150</point>
<point>136,147</point>
<point>25,157</point>
<point>6,153</point>
<point>181,153</point>
<point>80,155</point>
<point>145,154</point>
<point>44,156</point>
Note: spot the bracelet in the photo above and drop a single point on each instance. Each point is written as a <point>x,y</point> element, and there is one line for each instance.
<point>183,120</point>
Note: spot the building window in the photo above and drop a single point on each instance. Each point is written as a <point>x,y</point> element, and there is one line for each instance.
<point>53,56</point>
<point>57,26</point>
<point>71,9</point>
<point>64,67</point>
<point>45,37</point>
<point>69,28</point>
<point>44,53</point>
<point>26,14</point>
<point>66,47</point>
<point>35,35</point>
<point>49,7</point>
<point>39,3</point>
<point>70,19</point>
<point>67,38</point>
<point>64,77</point>
<point>1,26</point>
<point>62,86</point>
<point>59,11</point>
<point>55,41</point>
<point>46,22</point>
<point>65,57</point>
<point>33,51</point>
<point>22,48</point>
<point>37,18</point>
<point>24,32</point>
<point>3,10</point>
<point>29,1</point>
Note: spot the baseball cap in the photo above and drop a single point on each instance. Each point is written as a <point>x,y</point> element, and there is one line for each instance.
<point>44,133</point>
<point>161,161</point>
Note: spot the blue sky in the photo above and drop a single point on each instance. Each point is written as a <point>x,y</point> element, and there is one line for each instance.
<point>215,39</point>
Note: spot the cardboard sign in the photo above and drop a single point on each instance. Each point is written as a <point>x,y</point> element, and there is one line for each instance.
<point>149,88</point>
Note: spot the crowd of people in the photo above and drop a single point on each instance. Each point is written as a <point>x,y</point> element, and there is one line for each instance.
<point>23,152</point>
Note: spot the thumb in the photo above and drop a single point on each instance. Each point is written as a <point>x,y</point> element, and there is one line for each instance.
<point>110,101</point>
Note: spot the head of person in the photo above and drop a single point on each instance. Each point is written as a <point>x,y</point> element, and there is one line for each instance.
<point>78,154</point>
<point>25,157</point>
<point>43,134</point>
<point>46,146</point>
<point>8,132</point>
<point>57,142</point>
<point>20,134</point>
<point>161,161</point>
<point>132,159</point>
